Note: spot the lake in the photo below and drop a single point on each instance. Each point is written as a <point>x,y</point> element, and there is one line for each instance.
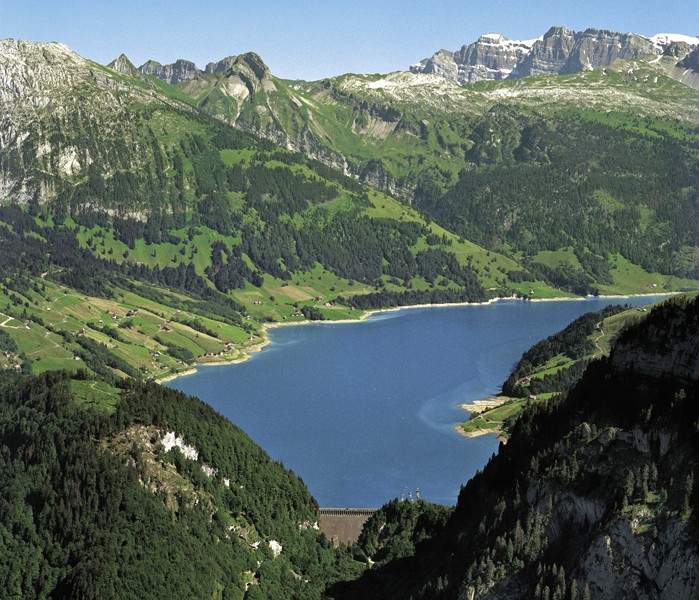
<point>365,412</point>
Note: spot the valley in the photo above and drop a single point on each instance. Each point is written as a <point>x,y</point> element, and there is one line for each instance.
<point>226,214</point>
<point>162,219</point>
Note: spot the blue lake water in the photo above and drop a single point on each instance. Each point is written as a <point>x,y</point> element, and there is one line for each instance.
<point>365,412</point>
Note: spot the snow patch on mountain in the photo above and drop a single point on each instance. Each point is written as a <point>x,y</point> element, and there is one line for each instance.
<point>661,40</point>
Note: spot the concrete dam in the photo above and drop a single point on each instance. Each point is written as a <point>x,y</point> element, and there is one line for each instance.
<point>343,525</point>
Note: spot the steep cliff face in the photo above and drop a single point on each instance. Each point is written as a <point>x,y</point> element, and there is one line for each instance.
<point>595,48</point>
<point>220,66</point>
<point>559,51</point>
<point>548,55</point>
<point>441,63</point>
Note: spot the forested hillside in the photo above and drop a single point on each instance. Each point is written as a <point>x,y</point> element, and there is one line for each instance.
<point>599,167</point>
<point>142,236</point>
<point>137,491</point>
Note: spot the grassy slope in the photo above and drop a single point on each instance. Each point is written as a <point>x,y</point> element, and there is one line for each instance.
<point>63,309</point>
<point>339,120</point>
<point>341,125</point>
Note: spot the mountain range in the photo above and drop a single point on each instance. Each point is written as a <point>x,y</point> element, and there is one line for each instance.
<point>425,140</point>
<point>559,51</point>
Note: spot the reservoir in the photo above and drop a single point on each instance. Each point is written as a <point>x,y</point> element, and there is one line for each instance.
<point>365,412</point>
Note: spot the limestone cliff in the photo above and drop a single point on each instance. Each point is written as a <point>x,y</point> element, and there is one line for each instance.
<point>559,51</point>
<point>45,89</point>
<point>492,56</point>
<point>63,117</point>
<point>662,346</point>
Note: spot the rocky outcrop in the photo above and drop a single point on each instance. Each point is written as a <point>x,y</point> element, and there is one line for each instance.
<point>550,54</point>
<point>38,84</point>
<point>441,63</point>
<point>249,65</point>
<point>239,79</point>
<point>221,66</point>
<point>51,101</point>
<point>559,51</point>
<point>621,564</point>
<point>595,48</point>
<point>492,56</point>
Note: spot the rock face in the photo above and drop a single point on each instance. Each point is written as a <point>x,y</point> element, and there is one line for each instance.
<point>54,106</point>
<point>220,66</point>
<point>492,56</point>
<point>550,54</point>
<point>595,48</point>
<point>237,77</point>
<point>183,71</point>
<point>38,81</point>
<point>691,61</point>
<point>558,51</point>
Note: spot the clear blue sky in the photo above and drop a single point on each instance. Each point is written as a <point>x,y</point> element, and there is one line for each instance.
<point>312,39</point>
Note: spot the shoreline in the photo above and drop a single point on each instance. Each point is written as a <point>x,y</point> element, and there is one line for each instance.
<point>251,350</point>
<point>496,431</point>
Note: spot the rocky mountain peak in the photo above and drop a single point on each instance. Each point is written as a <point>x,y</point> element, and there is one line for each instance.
<point>124,66</point>
<point>238,78</point>
<point>254,63</point>
<point>36,75</point>
<point>663,41</point>
<point>492,38</point>
<point>558,30</point>
<point>249,65</point>
<point>595,48</point>
<point>46,88</point>
<point>491,56</point>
